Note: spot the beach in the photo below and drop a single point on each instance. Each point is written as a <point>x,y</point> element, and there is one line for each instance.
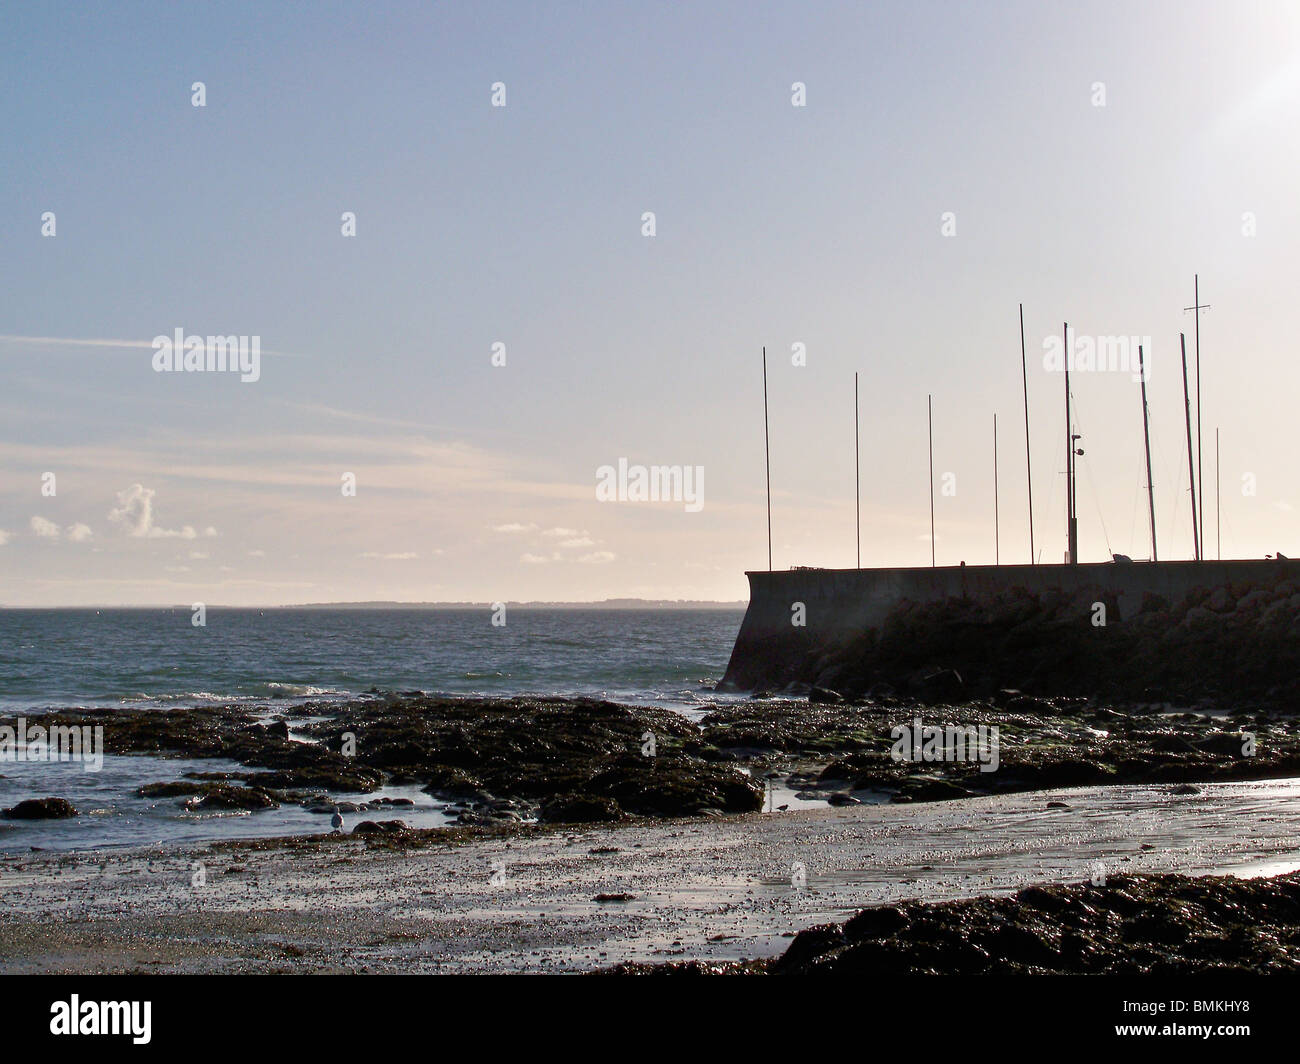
<point>537,898</point>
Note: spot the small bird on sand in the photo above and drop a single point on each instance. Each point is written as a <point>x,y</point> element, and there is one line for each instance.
<point>336,821</point>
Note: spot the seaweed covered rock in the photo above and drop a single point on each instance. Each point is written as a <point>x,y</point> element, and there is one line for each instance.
<point>40,809</point>
<point>1169,924</point>
<point>580,809</point>
<point>215,796</point>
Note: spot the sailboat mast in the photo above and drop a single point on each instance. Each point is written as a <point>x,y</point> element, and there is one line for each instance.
<point>857,475</point>
<point>929,404</point>
<point>1200,468</point>
<point>1071,519</point>
<point>997,539</point>
<point>1146,439</point>
<point>767,458</point>
<point>1191,455</point>
<point>1029,470</point>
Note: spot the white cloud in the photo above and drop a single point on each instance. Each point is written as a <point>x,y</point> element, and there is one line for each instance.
<point>45,529</point>
<point>79,533</point>
<point>580,541</point>
<point>534,559</point>
<point>396,557</point>
<point>599,557</point>
<point>134,513</point>
<point>4,537</point>
<point>257,554</point>
<point>199,555</point>
<point>559,533</point>
<point>514,528</point>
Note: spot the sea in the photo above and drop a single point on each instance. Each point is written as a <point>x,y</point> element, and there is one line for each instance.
<point>158,658</point>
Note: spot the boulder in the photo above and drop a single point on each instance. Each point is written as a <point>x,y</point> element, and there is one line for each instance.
<point>381,827</point>
<point>227,796</point>
<point>808,944</point>
<point>580,809</point>
<point>41,809</point>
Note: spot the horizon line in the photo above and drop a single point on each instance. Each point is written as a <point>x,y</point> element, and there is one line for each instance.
<point>606,603</point>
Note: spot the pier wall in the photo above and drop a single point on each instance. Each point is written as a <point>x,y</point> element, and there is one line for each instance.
<point>842,604</point>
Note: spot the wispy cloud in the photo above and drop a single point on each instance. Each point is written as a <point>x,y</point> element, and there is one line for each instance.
<point>135,345</point>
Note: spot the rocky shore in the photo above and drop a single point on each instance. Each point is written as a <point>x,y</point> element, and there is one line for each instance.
<point>490,760</point>
<point>1041,743</point>
<point>1154,925</point>
<point>710,894</point>
<point>504,761</point>
<point>1127,925</point>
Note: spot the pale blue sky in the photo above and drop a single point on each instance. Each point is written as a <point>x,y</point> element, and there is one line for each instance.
<point>522,224</point>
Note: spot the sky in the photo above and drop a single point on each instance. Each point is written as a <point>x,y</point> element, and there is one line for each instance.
<point>858,188</point>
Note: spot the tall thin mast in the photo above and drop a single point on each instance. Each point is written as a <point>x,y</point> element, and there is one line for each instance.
<point>857,475</point>
<point>929,404</point>
<point>1146,438</point>
<point>1200,468</point>
<point>767,457</point>
<point>1029,471</point>
<point>1191,456</point>
<point>997,541</point>
<point>1196,309</point>
<point>1072,523</point>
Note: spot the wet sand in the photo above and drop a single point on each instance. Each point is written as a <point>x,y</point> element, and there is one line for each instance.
<point>525,898</point>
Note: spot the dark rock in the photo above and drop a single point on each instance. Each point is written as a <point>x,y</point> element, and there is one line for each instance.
<point>808,944</point>
<point>174,789</point>
<point>227,796</point>
<point>1164,924</point>
<point>937,685</point>
<point>880,921</point>
<point>40,809</point>
<point>580,809</point>
<point>920,789</point>
<point>825,696</point>
<point>381,827</point>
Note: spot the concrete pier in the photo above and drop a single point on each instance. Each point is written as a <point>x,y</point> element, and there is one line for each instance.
<point>840,605</point>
